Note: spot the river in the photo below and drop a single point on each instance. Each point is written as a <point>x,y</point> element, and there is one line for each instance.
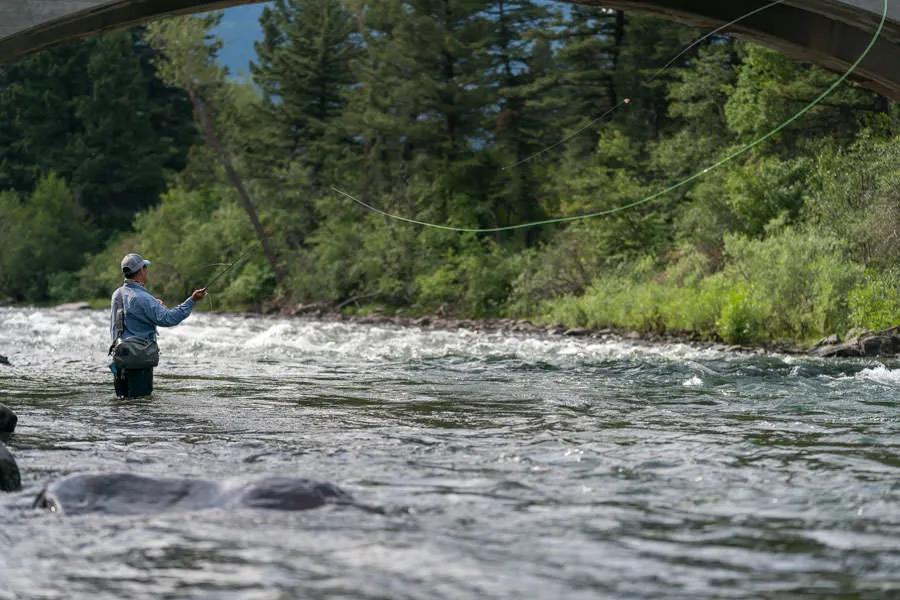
<point>492,465</point>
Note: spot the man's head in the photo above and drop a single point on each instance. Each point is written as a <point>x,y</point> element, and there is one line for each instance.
<point>134,267</point>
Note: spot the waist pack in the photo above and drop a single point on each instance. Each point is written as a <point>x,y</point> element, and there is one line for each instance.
<point>135,353</point>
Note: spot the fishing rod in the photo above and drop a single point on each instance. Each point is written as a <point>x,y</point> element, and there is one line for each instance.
<point>221,273</point>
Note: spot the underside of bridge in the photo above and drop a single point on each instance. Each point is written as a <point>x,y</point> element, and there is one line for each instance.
<point>829,33</point>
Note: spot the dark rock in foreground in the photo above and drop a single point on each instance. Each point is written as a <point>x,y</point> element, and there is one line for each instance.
<point>128,494</point>
<point>860,343</point>
<point>8,419</point>
<point>10,480</point>
<point>3,360</point>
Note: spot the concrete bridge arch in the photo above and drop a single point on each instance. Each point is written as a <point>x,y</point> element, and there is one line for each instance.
<point>829,33</point>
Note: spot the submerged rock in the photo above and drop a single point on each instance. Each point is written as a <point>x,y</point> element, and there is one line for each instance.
<point>8,419</point>
<point>129,494</point>
<point>10,480</point>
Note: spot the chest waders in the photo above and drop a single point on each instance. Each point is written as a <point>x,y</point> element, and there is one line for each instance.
<point>129,383</point>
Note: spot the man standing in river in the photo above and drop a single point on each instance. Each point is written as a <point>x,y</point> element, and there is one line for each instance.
<point>135,313</point>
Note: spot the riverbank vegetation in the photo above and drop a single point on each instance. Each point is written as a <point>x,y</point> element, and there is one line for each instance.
<point>139,141</point>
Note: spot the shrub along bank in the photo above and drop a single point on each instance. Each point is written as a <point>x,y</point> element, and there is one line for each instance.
<point>419,116</point>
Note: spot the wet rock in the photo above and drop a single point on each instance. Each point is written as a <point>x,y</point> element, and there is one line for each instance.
<point>577,332</point>
<point>74,306</point>
<point>441,323</point>
<point>8,419</point>
<point>855,334</point>
<point>879,345</point>
<point>845,350</point>
<point>861,342</point>
<point>10,480</point>
<point>4,360</point>
<point>316,308</point>
<point>525,327</point>
<point>129,494</point>
<point>831,340</point>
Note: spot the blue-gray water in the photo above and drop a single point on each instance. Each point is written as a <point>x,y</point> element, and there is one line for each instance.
<point>498,466</point>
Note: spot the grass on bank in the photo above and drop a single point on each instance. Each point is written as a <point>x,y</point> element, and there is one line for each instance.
<point>793,286</point>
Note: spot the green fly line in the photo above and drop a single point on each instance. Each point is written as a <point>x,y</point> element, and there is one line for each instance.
<point>600,213</point>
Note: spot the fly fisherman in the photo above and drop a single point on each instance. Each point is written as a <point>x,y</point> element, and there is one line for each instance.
<point>134,316</point>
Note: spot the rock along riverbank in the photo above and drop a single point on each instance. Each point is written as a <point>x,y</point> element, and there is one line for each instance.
<point>857,343</point>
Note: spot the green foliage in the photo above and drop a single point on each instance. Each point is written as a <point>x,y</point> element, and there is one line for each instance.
<point>45,234</point>
<point>186,49</point>
<point>741,320</point>
<point>95,113</point>
<point>420,108</point>
<point>799,279</point>
<point>189,237</point>
<point>793,285</point>
<point>638,297</point>
<point>765,190</point>
<point>770,89</point>
<point>566,266</point>
<point>327,269</point>
<point>875,302</point>
<point>303,68</point>
<point>855,195</point>
<point>102,273</point>
<point>474,281</point>
<point>252,282</point>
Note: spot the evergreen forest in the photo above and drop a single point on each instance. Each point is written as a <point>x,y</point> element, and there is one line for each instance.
<point>474,114</point>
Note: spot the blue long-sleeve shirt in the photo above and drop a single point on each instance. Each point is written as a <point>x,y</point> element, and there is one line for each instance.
<point>143,313</point>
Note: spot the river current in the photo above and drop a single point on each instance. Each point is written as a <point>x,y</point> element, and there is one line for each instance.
<point>489,465</point>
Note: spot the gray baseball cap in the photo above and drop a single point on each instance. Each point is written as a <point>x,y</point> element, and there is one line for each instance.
<point>132,263</point>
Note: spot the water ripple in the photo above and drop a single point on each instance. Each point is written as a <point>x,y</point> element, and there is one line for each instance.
<point>486,465</point>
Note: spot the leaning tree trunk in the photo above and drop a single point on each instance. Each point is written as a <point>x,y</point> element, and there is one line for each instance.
<point>209,132</point>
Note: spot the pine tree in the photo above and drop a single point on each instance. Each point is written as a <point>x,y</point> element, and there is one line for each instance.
<point>95,113</point>
<point>517,79</point>
<point>303,70</point>
<point>419,103</point>
<point>582,83</point>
